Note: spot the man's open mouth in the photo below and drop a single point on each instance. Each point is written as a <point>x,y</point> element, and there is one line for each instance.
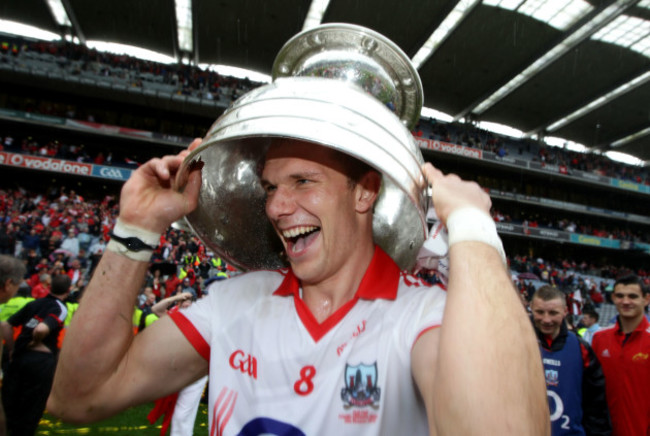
<point>298,238</point>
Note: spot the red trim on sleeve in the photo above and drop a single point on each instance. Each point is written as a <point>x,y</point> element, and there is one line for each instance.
<point>423,332</point>
<point>58,321</point>
<point>192,334</point>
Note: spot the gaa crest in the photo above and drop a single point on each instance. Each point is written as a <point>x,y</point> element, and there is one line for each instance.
<point>361,386</point>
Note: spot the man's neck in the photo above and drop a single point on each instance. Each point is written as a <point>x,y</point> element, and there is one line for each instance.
<point>325,298</point>
<point>628,325</point>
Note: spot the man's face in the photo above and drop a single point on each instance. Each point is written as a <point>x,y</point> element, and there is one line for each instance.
<point>312,207</point>
<point>588,320</point>
<point>548,315</point>
<point>629,301</point>
<point>8,291</point>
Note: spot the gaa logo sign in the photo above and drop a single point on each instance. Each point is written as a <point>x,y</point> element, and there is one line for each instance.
<point>112,173</point>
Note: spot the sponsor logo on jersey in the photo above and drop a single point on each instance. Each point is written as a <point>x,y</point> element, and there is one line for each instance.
<point>605,353</point>
<point>247,364</point>
<point>361,388</point>
<point>552,378</point>
<point>640,357</point>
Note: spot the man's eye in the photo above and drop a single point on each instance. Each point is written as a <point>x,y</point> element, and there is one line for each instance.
<point>269,189</point>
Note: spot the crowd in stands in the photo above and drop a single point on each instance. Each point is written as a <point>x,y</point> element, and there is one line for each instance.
<point>471,136</point>
<point>587,226</point>
<point>185,79</point>
<point>191,80</point>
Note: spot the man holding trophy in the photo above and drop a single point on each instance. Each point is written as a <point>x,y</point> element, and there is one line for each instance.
<point>317,187</point>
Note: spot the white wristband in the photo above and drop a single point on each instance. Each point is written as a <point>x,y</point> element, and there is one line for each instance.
<point>472,224</point>
<point>123,230</point>
<point>116,247</point>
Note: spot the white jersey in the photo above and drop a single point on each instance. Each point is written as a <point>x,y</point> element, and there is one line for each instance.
<point>275,371</point>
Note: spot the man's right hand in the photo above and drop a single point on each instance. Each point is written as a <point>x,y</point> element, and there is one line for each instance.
<point>148,199</point>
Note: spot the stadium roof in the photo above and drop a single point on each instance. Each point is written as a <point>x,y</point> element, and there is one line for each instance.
<point>575,69</point>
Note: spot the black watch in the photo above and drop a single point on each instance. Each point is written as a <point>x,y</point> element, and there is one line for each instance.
<point>132,243</point>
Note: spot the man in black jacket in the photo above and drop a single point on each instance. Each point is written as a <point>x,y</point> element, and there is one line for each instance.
<point>575,383</point>
<point>33,360</point>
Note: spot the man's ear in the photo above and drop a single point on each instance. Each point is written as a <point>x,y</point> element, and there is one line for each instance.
<point>4,288</point>
<point>367,191</point>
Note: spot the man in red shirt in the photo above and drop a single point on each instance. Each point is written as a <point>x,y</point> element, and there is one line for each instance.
<point>624,353</point>
<point>42,289</point>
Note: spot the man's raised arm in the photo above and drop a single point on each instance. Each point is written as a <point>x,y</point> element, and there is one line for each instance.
<point>102,368</point>
<point>481,372</point>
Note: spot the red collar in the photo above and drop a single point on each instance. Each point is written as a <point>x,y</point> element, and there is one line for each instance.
<point>380,281</point>
<point>643,325</point>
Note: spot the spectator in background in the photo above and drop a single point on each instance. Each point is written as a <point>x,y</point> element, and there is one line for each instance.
<point>7,239</point>
<point>188,288</point>
<point>624,351</point>
<point>71,243</point>
<point>75,273</point>
<point>84,238</point>
<point>42,289</point>
<point>590,321</point>
<point>574,378</point>
<point>29,376</point>
<point>31,241</point>
<point>96,250</point>
<point>12,271</point>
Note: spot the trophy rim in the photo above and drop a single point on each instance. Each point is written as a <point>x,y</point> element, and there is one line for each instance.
<point>389,56</point>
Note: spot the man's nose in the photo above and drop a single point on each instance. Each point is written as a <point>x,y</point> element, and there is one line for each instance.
<point>280,203</point>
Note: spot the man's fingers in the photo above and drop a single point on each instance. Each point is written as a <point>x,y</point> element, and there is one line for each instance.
<point>194,144</point>
<point>166,166</point>
<point>431,173</point>
<point>191,191</point>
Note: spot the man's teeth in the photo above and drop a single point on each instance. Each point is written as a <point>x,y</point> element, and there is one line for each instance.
<point>297,231</point>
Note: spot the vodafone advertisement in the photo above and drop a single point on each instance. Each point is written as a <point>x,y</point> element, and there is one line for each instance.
<point>449,148</point>
<point>45,164</point>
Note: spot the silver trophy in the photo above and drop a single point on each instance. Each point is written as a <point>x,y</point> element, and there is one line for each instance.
<point>337,85</point>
